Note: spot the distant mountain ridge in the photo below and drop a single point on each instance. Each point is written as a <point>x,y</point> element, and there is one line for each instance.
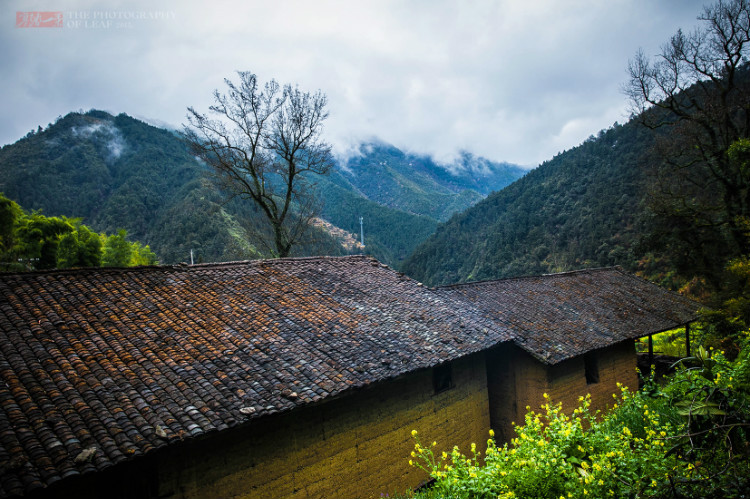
<point>417,184</point>
<point>402,197</point>
<point>120,172</point>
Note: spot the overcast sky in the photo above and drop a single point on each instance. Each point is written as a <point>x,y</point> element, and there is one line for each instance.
<point>509,80</point>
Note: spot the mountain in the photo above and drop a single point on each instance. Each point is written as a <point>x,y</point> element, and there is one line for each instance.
<point>119,172</point>
<point>417,184</point>
<point>402,197</point>
<point>580,209</point>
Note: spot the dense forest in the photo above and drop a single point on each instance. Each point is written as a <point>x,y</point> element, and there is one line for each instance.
<point>580,209</point>
<point>116,172</point>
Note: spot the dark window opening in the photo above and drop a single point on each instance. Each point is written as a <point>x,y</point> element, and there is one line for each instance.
<point>442,378</point>
<point>591,368</point>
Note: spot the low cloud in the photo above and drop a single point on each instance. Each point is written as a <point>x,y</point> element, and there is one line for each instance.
<point>113,140</point>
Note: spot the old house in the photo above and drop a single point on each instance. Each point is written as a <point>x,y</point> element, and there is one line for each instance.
<point>573,335</point>
<point>288,378</point>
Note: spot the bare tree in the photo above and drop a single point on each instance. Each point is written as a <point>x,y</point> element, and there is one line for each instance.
<point>264,143</point>
<point>698,89</point>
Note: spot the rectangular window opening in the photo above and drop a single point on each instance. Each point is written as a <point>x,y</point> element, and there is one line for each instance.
<point>591,368</point>
<point>442,377</point>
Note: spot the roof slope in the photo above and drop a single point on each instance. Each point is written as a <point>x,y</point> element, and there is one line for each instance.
<point>558,316</point>
<point>126,361</point>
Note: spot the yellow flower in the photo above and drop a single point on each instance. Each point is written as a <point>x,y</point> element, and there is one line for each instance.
<point>492,433</point>
<point>414,433</point>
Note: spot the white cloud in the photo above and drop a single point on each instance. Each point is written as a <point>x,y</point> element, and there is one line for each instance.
<point>512,80</point>
<point>108,132</point>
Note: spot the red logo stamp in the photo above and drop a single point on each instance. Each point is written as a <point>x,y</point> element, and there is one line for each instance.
<point>39,19</point>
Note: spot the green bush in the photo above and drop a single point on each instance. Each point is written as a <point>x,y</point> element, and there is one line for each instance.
<point>688,438</point>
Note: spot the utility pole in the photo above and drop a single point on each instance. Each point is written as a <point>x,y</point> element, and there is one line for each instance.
<point>362,231</point>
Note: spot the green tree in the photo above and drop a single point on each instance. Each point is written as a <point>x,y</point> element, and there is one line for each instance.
<point>117,250</point>
<point>80,248</point>
<point>142,255</point>
<point>263,143</point>
<point>10,213</point>
<point>38,239</point>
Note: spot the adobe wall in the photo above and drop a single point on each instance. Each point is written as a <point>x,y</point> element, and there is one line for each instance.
<point>356,446</point>
<point>516,380</point>
<point>616,364</point>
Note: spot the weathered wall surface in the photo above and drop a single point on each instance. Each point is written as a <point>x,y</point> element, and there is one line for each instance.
<point>616,365</point>
<point>516,381</point>
<point>356,446</point>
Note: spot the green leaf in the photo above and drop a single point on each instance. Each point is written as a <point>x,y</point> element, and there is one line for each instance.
<point>699,408</point>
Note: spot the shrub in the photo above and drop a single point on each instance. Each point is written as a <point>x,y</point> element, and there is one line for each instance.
<point>686,439</point>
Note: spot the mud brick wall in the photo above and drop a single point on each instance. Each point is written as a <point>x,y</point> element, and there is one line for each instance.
<point>516,380</point>
<point>616,364</point>
<point>356,446</point>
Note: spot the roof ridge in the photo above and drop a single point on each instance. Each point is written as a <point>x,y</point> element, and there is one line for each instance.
<point>277,261</point>
<point>536,276</point>
<point>87,270</point>
<point>180,266</point>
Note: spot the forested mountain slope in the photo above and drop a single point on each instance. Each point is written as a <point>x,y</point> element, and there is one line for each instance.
<point>402,197</point>
<point>579,209</point>
<point>119,172</point>
<point>417,184</point>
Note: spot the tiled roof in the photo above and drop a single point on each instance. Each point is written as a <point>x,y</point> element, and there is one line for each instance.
<point>558,316</point>
<point>100,366</point>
